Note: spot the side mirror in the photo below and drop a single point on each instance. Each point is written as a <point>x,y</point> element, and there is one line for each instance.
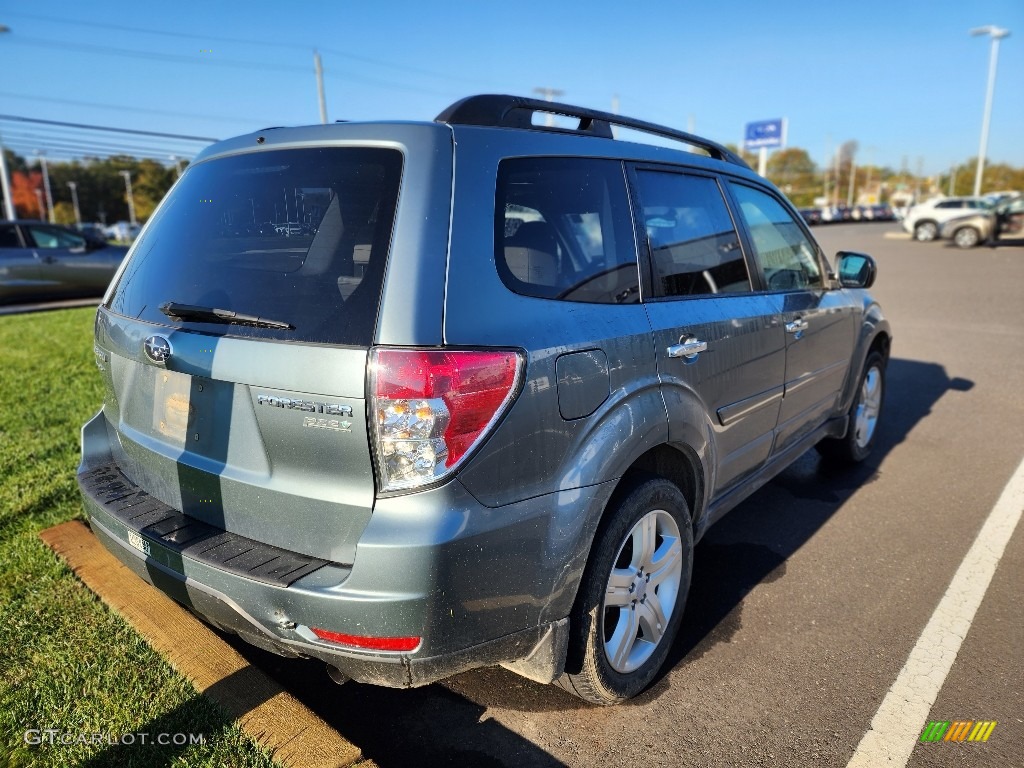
<point>856,270</point>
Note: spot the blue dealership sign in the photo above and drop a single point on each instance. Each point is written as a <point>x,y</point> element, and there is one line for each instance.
<point>765,133</point>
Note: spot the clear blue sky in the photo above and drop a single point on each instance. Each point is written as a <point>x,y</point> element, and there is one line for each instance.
<point>903,79</point>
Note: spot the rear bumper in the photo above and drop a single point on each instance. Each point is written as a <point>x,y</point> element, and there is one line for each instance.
<point>479,586</point>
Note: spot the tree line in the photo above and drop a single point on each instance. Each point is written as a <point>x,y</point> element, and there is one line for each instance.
<point>102,196</point>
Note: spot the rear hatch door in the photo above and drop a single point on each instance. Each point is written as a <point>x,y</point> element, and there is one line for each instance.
<point>237,336</point>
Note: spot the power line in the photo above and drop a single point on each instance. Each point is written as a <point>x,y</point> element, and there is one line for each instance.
<point>139,110</point>
<point>107,128</point>
<point>104,50</point>
<point>244,41</point>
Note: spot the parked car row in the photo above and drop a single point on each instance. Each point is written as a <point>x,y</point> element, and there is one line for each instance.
<point>988,226</point>
<point>967,221</point>
<point>842,213</point>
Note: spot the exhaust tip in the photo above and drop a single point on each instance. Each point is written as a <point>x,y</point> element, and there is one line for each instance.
<point>337,675</point>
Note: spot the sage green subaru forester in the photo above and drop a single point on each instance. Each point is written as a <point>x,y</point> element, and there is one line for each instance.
<point>413,398</point>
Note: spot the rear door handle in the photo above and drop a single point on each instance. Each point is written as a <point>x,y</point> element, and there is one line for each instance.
<point>796,326</point>
<point>688,348</point>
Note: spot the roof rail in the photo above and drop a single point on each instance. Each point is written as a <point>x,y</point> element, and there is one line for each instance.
<point>517,112</point>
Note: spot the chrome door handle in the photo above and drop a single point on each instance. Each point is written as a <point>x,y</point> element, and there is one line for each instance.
<point>796,326</point>
<point>688,348</point>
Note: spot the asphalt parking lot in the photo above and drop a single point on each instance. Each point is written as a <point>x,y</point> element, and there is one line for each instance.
<point>808,599</point>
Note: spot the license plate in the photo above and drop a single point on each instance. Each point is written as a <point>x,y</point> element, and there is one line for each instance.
<point>138,542</point>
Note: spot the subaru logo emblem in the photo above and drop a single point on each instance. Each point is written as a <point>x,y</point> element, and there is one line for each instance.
<point>158,349</point>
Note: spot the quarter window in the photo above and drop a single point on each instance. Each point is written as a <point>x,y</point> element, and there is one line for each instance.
<point>563,230</point>
<point>789,259</point>
<point>694,246</point>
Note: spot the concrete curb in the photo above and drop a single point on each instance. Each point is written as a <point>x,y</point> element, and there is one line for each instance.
<point>271,716</point>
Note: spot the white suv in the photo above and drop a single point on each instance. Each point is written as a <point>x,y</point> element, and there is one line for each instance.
<point>923,220</point>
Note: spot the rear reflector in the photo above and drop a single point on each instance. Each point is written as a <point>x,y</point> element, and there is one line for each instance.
<point>431,407</point>
<point>370,643</point>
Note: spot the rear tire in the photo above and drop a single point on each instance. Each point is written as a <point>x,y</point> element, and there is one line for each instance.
<point>633,593</point>
<point>925,231</point>
<point>865,415</point>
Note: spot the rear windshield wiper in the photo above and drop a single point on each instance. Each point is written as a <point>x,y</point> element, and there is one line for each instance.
<point>217,315</point>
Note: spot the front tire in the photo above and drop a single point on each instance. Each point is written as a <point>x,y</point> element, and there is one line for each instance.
<point>862,431</point>
<point>926,231</point>
<point>633,593</point>
<point>967,237</point>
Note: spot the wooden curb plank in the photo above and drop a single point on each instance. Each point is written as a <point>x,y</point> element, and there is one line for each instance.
<point>267,713</point>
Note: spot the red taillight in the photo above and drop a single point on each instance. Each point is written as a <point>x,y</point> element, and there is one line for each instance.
<point>369,643</point>
<point>432,406</point>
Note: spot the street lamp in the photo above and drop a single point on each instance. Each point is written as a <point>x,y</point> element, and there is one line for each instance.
<point>996,34</point>
<point>74,199</point>
<point>46,184</point>
<point>131,201</point>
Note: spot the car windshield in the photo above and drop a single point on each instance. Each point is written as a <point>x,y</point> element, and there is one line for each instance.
<point>300,236</point>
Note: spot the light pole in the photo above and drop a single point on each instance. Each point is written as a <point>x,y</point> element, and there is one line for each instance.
<point>5,182</point>
<point>131,201</point>
<point>996,34</point>
<point>46,185</point>
<point>74,199</point>
<point>177,164</point>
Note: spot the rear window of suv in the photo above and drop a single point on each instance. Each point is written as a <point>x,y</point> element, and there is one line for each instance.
<point>297,236</point>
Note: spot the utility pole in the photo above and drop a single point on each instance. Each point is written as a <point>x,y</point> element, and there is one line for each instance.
<point>46,184</point>
<point>74,199</point>
<point>549,94</point>
<point>853,174</point>
<point>835,189</point>
<point>39,200</point>
<point>131,200</point>
<point>177,164</point>
<point>318,65</point>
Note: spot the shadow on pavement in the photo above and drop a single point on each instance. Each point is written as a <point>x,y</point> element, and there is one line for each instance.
<point>441,724</point>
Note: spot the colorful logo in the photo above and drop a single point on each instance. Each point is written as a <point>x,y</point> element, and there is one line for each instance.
<point>958,730</point>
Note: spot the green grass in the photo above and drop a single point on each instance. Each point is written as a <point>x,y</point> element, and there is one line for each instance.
<point>68,663</point>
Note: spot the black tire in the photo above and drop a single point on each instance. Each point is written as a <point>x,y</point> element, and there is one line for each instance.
<point>590,673</point>
<point>862,430</point>
<point>926,231</point>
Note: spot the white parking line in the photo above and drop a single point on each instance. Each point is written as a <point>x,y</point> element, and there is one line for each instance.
<point>902,715</point>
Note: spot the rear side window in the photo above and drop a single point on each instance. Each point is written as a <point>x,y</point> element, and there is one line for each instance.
<point>563,230</point>
<point>694,246</point>
<point>297,236</point>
